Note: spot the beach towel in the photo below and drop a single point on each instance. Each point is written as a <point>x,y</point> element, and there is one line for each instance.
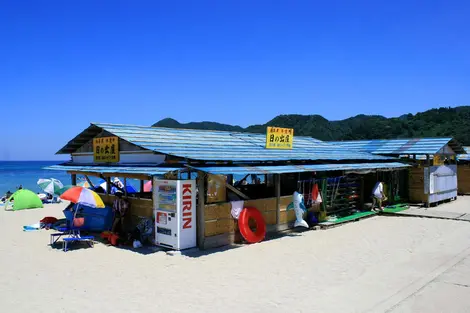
<point>237,207</point>
<point>32,227</point>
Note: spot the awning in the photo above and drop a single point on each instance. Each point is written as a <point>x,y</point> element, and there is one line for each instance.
<point>280,169</point>
<point>149,171</point>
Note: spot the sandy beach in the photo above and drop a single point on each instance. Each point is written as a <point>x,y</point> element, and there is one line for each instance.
<point>375,265</point>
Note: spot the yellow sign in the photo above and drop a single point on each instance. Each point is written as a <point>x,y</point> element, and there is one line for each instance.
<point>106,149</point>
<point>438,159</point>
<point>279,138</point>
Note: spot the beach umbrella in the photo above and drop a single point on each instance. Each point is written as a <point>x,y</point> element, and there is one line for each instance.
<point>84,184</point>
<point>84,196</point>
<point>64,189</point>
<point>24,199</point>
<point>50,185</point>
<point>148,186</point>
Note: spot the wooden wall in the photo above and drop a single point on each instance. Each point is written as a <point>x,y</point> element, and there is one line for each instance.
<point>138,207</point>
<point>219,220</point>
<point>416,185</point>
<point>463,177</point>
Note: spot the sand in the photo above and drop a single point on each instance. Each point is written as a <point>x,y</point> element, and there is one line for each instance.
<point>364,266</point>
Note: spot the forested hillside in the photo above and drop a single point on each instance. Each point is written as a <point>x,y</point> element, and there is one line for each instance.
<point>442,122</point>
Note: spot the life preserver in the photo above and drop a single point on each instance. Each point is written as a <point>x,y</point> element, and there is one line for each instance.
<point>243,224</point>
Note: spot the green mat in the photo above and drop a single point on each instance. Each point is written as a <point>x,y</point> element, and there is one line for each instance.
<point>348,218</point>
<point>396,208</point>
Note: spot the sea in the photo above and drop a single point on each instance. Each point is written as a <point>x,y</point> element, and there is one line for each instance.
<point>27,173</point>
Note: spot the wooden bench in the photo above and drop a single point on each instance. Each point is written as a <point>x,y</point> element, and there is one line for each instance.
<point>90,240</point>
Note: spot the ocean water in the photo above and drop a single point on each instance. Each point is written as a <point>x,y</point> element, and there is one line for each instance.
<point>27,173</point>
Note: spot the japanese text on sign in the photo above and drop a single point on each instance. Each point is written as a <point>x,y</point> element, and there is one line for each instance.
<point>279,138</point>
<point>106,149</point>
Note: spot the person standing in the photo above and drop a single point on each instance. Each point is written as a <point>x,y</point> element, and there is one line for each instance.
<point>121,209</point>
<point>378,195</point>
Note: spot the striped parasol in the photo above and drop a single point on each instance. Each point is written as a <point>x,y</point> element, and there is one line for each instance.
<point>50,185</point>
<point>84,196</point>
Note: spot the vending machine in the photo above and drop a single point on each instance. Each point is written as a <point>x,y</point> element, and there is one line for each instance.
<point>175,213</point>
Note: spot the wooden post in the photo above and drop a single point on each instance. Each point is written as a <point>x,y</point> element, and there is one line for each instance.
<point>236,191</point>
<point>108,185</point>
<point>200,218</point>
<point>125,187</point>
<point>361,194</point>
<point>277,187</point>
<point>89,181</point>
<point>74,179</point>
<point>141,186</point>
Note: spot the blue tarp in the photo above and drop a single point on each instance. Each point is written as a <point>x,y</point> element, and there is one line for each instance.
<point>95,219</point>
<point>129,188</point>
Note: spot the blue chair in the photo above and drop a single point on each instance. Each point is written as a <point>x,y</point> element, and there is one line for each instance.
<point>72,231</point>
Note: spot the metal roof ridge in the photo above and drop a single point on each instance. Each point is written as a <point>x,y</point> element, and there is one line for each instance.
<point>98,124</point>
<point>173,128</point>
<point>394,139</point>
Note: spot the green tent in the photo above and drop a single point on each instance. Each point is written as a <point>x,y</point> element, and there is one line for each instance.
<point>24,199</point>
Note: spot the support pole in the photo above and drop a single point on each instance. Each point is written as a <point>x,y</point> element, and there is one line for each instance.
<point>277,187</point>
<point>141,186</point>
<point>200,218</point>
<point>108,185</point>
<point>89,181</point>
<point>74,179</point>
<point>125,187</point>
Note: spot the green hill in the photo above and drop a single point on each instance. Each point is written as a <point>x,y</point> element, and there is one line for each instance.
<point>442,122</point>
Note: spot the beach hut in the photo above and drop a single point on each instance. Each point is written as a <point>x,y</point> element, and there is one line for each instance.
<point>433,177</point>
<point>230,168</point>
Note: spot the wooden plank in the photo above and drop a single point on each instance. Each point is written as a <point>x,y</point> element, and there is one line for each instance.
<point>220,226</point>
<point>270,217</point>
<point>287,216</point>
<point>220,240</point>
<point>262,205</point>
<point>217,211</point>
<point>132,176</point>
<point>463,178</point>
<point>238,192</point>
<point>138,207</point>
<point>200,210</point>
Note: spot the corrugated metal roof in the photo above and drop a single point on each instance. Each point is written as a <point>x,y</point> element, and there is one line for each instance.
<point>402,146</point>
<point>217,145</point>
<point>151,171</point>
<point>466,156</point>
<point>280,169</point>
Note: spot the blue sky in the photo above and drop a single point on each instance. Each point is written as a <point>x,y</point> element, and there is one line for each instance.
<point>67,63</point>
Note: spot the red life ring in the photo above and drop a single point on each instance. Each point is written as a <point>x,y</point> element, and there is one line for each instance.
<point>243,224</point>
